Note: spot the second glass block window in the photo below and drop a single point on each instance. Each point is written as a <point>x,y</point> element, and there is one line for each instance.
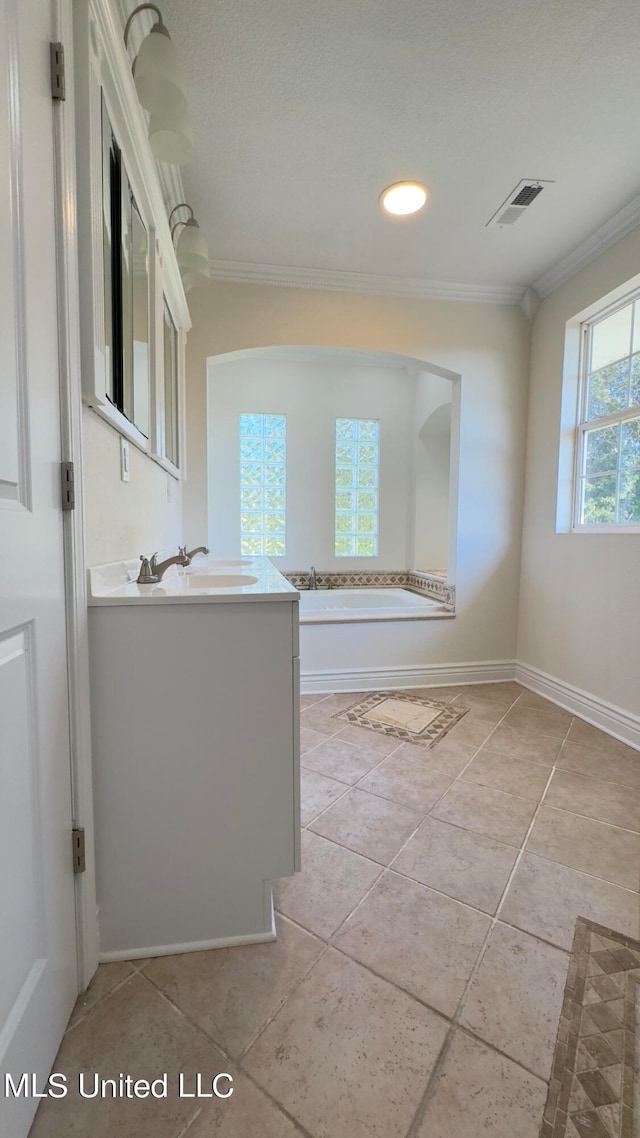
<point>263,461</point>
<point>357,467</point>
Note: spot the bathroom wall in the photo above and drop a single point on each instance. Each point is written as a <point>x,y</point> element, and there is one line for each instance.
<point>580,593</point>
<point>125,519</point>
<point>432,438</point>
<point>312,395</point>
<point>487,344</point>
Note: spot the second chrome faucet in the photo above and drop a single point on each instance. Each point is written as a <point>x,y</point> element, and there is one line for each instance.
<point>192,552</point>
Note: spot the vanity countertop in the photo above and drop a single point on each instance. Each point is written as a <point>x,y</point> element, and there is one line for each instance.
<point>207,580</point>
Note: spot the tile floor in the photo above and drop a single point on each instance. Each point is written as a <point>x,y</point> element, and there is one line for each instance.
<point>416,985</point>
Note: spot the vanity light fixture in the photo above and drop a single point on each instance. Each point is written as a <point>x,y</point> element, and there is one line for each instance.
<point>158,82</point>
<point>170,138</point>
<point>403,198</point>
<point>191,250</point>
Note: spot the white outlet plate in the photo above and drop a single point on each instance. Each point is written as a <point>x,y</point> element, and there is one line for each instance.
<point>124,458</point>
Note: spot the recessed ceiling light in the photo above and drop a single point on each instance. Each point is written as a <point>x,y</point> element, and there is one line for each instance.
<point>403,198</point>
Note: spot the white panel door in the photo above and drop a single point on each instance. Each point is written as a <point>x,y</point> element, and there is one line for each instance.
<point>37,914</point>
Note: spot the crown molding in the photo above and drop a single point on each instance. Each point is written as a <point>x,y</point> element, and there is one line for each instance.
<point>613,230</point>
<point>373,284</point>
<point>530,303</point>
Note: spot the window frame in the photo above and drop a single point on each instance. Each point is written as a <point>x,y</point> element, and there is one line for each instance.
<point>355,513</point>
<point>263,535</point>
<point>585,426</point>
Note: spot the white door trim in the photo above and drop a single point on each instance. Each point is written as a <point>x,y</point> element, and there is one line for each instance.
<point>71,429</point>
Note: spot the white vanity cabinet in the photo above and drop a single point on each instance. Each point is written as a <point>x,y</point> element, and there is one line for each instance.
<point>196,765</point>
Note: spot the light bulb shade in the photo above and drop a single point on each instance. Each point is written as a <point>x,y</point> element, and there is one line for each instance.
<point>191,280</point>
<point>191,250</point>
<point>170,138</point>
<point>156,74</point>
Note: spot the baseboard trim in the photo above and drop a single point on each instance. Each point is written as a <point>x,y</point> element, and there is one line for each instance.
<point>621,724</point>
<point>617,722</point>
<point>195,945</point>
<point>413,676</point>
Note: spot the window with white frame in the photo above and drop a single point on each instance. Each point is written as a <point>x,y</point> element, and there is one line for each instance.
<point>608,450</point>
<point>357,469</point>
<point>263,476</point>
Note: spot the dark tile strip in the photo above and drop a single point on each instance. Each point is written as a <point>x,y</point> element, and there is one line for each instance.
<point>598,1030</point>
<point>629,1068</point>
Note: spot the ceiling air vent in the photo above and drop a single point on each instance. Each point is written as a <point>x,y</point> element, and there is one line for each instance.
<point>518,201</point>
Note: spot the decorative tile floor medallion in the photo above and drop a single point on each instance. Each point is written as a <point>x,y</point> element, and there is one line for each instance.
<point>412,718</point>
<point>591,1092</point>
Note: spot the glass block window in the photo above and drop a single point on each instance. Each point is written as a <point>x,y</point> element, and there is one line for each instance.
<point>357,467</point>
<point>263,459</point>
<point>608,482</point>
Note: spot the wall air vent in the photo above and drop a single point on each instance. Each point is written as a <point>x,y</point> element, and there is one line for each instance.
<point>518,201</point>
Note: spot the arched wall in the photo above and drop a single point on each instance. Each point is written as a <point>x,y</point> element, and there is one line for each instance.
<point>313,386</point>
<point>485,343</point>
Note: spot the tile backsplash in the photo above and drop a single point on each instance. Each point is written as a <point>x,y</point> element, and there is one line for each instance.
<point>431,585</point>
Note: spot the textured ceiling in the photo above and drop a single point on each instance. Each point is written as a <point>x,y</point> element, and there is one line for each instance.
<point>303,112</point>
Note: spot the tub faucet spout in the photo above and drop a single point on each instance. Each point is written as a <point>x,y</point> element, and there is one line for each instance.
<point>313,578</point>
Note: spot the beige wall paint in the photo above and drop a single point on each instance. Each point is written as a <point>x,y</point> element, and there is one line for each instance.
<point>580,593</point>
<point>125,519</point>
<point>432,457</point>
<point>487,344</point>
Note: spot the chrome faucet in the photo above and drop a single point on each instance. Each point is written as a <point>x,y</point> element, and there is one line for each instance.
<point>313,578</point>
<point>152,570</point>
<point>192,552</point>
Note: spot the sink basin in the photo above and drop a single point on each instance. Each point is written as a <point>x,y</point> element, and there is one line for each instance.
<point>219,580</point>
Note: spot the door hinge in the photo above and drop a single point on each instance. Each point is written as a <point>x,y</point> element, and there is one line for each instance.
<point>67,475</point>
<point>57,71</point>
<point>77,839</point>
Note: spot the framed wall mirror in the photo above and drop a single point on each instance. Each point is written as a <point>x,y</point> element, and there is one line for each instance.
<point>126,288</point>
<point>171,433</point>
<point>137,387</point>
<point>134,314</point>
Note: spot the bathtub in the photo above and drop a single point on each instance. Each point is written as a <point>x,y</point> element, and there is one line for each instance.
<point>339,606</point>
<point>371,639</point>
